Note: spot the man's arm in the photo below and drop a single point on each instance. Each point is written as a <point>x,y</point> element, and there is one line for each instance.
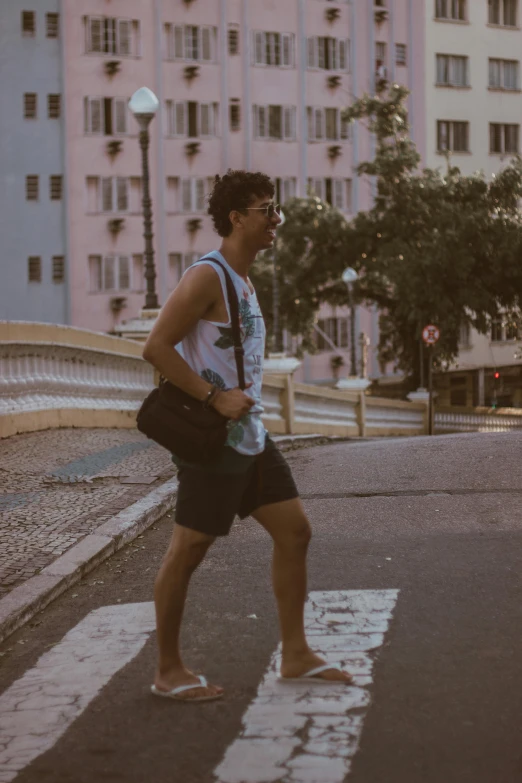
<point>196,294</point>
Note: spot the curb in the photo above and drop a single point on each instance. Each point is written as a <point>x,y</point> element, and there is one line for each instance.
<point>26,600</point>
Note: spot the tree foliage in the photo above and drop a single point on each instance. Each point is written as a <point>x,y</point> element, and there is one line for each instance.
<point>436,247</point>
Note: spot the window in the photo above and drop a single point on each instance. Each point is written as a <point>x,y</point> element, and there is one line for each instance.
<point>233,39</point>
<point>465,336</point>
<point>451,9</point>
<point>497,331</point>
<point>191,119</point>
<point>31,187</point>
<point>400,54</point>
<point>274,49</point>
<point>193,194</point>
<point>54,106</point>
<point>503,74</point>
<point>178,264</point>
<point>274,122</point>
<point>58,269</point>
<point>452,70</point>
<point>235,115</point>
<point>452,136</point>
<point>197,44</point>
<point>502,12</point>
<point>330,54</point>
<point>52,22</point>
<point>326,124</point>
<point>337,192</point>
<point>331,332</point>
<point>30,105</point>
<point>105,116</point>
<point>503,138</point>
<point>34,269</point>
<point>28,24</point>
<point>109,273</point>
<point>55,187</point>
<point>113,194</point>
<point>285,188</point>
<point>108,35</point>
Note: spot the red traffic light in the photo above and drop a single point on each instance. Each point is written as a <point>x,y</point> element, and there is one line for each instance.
<point>496,375</point>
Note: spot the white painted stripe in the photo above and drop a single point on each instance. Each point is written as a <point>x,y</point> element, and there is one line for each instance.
<point>39,707</point>
<point>308,732</point>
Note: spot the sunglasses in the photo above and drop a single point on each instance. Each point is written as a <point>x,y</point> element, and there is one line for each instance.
<point>270,210</point>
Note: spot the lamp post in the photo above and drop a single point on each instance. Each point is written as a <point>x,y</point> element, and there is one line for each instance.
<point>144,105</point>
<point>349,277</point>
<point>277,332</point>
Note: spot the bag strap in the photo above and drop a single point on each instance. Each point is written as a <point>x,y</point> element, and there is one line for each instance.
<point>239,351</point>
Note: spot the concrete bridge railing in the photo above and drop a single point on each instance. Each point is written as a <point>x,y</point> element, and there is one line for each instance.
<point>59,376</point>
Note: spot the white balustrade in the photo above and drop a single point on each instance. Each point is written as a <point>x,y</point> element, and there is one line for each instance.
<point>446,421</point>
<point>271,400</point>
<point>46,376</point>
<point>389,416</point>
<point>313,410</point>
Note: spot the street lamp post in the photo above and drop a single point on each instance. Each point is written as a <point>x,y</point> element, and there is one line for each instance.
<point>144,105</point>
<point>277,331</point>
<point>349,277</point>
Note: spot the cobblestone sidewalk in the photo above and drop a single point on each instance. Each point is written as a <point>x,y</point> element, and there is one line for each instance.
<point>58,486</point>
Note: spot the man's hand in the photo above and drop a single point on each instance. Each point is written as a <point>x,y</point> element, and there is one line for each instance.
<point>233,403</point>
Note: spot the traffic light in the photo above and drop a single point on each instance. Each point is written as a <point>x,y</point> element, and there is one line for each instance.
<point>496,375</point>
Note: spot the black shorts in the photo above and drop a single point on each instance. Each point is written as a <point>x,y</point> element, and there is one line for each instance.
<point>209,501</point>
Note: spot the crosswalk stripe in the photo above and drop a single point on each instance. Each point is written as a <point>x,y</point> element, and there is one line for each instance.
<point>39,707</point>
<point>309,732</point>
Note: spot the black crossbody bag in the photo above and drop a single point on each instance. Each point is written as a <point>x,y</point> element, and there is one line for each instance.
<point>180,423</point>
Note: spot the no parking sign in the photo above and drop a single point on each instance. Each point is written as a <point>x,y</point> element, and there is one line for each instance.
<point>430,334</point>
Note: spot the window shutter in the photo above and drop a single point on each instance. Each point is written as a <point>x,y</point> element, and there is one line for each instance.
<point>180,110</point>
<point>287,47</point>
<point>200,195</point>
<point>343,54</point>
<point>288,116</point>
<point>332,50</point>
<point>106,194</point>
<point>319,123</point>
<point>310,119</point>
<point>338,194</point>
<point>95,273</point>
<point>95,34</point>
<point>186,195</point>
<point>312,51</point>
<point>120,115</point>
<point>178,42</point>
<point>95,107</point>
<point>109,277</point>
<point>123,273</point>
<point>124,37</point>
<point>206,43</point>
<point>204,119</point>
<point>321,45</point>
<point>259,48</point>
<point>122,193</point>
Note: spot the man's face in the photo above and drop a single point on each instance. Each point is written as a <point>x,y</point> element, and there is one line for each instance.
<point>259,226</point>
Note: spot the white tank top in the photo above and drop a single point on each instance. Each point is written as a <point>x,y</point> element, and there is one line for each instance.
<point>209,350</point>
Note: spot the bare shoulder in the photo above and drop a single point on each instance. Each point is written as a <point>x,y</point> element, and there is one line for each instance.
<point>195,295</point>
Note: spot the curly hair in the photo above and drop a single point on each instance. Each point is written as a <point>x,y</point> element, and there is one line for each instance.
<point>235,190</point>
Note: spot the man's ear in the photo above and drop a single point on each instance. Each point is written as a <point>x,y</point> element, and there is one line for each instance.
<point>236,218</point>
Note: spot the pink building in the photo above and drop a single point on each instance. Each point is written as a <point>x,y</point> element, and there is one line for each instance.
<point>254,84</point>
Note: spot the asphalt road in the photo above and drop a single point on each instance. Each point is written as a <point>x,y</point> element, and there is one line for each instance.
<point>439,519</point>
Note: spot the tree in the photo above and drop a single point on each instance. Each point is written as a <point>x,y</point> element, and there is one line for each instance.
<point>434,248</point>
<point>309,253</point>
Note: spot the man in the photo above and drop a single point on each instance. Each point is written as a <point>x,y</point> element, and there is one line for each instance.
<point>251,477</point>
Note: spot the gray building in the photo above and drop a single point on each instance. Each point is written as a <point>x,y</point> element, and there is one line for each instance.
<point>33,258</point>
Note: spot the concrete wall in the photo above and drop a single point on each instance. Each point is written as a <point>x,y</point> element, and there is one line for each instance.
<point>29,146</point>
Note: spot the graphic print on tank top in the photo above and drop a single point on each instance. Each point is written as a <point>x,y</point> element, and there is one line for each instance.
<point>209,350</point>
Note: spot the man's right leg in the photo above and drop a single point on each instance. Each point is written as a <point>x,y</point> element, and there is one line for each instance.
<point>186,551</point>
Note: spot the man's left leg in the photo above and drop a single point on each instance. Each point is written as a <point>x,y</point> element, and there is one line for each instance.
<point>289,528</point>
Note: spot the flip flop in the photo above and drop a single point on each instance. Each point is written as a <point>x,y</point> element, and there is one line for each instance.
<point>175,692</point>
<point>311,675</point>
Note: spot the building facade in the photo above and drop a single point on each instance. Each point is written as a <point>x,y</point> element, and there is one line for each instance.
<point>474,109</point>
<point>254,84</point>
<point>32,182</point>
